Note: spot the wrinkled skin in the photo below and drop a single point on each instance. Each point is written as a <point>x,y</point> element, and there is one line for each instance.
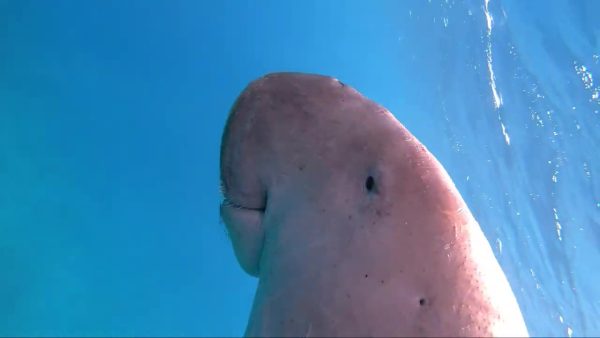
<point>352,227</point>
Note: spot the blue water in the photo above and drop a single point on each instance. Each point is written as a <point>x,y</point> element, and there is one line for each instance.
<point>111,114</point>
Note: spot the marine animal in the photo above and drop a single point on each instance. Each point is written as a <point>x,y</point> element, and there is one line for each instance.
<point>351,225</point>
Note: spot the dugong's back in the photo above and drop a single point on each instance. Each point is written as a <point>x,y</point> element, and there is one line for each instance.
<point>351,225</point>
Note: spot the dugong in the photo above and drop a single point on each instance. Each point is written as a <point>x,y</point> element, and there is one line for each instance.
<point>351,225</point>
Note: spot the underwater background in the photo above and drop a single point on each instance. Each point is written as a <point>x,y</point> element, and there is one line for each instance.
<point>111,114</point>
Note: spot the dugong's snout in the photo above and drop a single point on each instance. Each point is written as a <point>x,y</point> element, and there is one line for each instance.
<point>244,197</point>
<point>253,147</point>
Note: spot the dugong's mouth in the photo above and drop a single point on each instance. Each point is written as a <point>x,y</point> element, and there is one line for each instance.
<point>245,228</point>
<point>229,203</point>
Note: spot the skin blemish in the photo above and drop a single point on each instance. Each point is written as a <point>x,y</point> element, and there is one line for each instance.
<point>366,276</point>
<point>301,167</point>
<point>382,281</point>
<point>422,301</point>
<point>370,184</point>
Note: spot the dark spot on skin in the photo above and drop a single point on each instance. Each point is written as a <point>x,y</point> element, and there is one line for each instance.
<point>366,276</point>
<point>301,167</point>
<point>370,184</point>
<point>382,281</point>
<point>422,301</point>
<point>349,216</point>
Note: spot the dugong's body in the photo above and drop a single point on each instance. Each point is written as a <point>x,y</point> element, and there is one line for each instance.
<point>352,227</point>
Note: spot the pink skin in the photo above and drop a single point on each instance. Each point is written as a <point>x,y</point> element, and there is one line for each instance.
<point>352,227</point>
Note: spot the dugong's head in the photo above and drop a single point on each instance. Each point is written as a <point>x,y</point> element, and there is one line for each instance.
<point>352,226</point>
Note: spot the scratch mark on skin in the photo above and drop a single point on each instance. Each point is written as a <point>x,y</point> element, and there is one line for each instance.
<point>308,331</point>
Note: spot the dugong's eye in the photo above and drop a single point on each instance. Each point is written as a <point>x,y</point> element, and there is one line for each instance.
<point>370,184</point>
